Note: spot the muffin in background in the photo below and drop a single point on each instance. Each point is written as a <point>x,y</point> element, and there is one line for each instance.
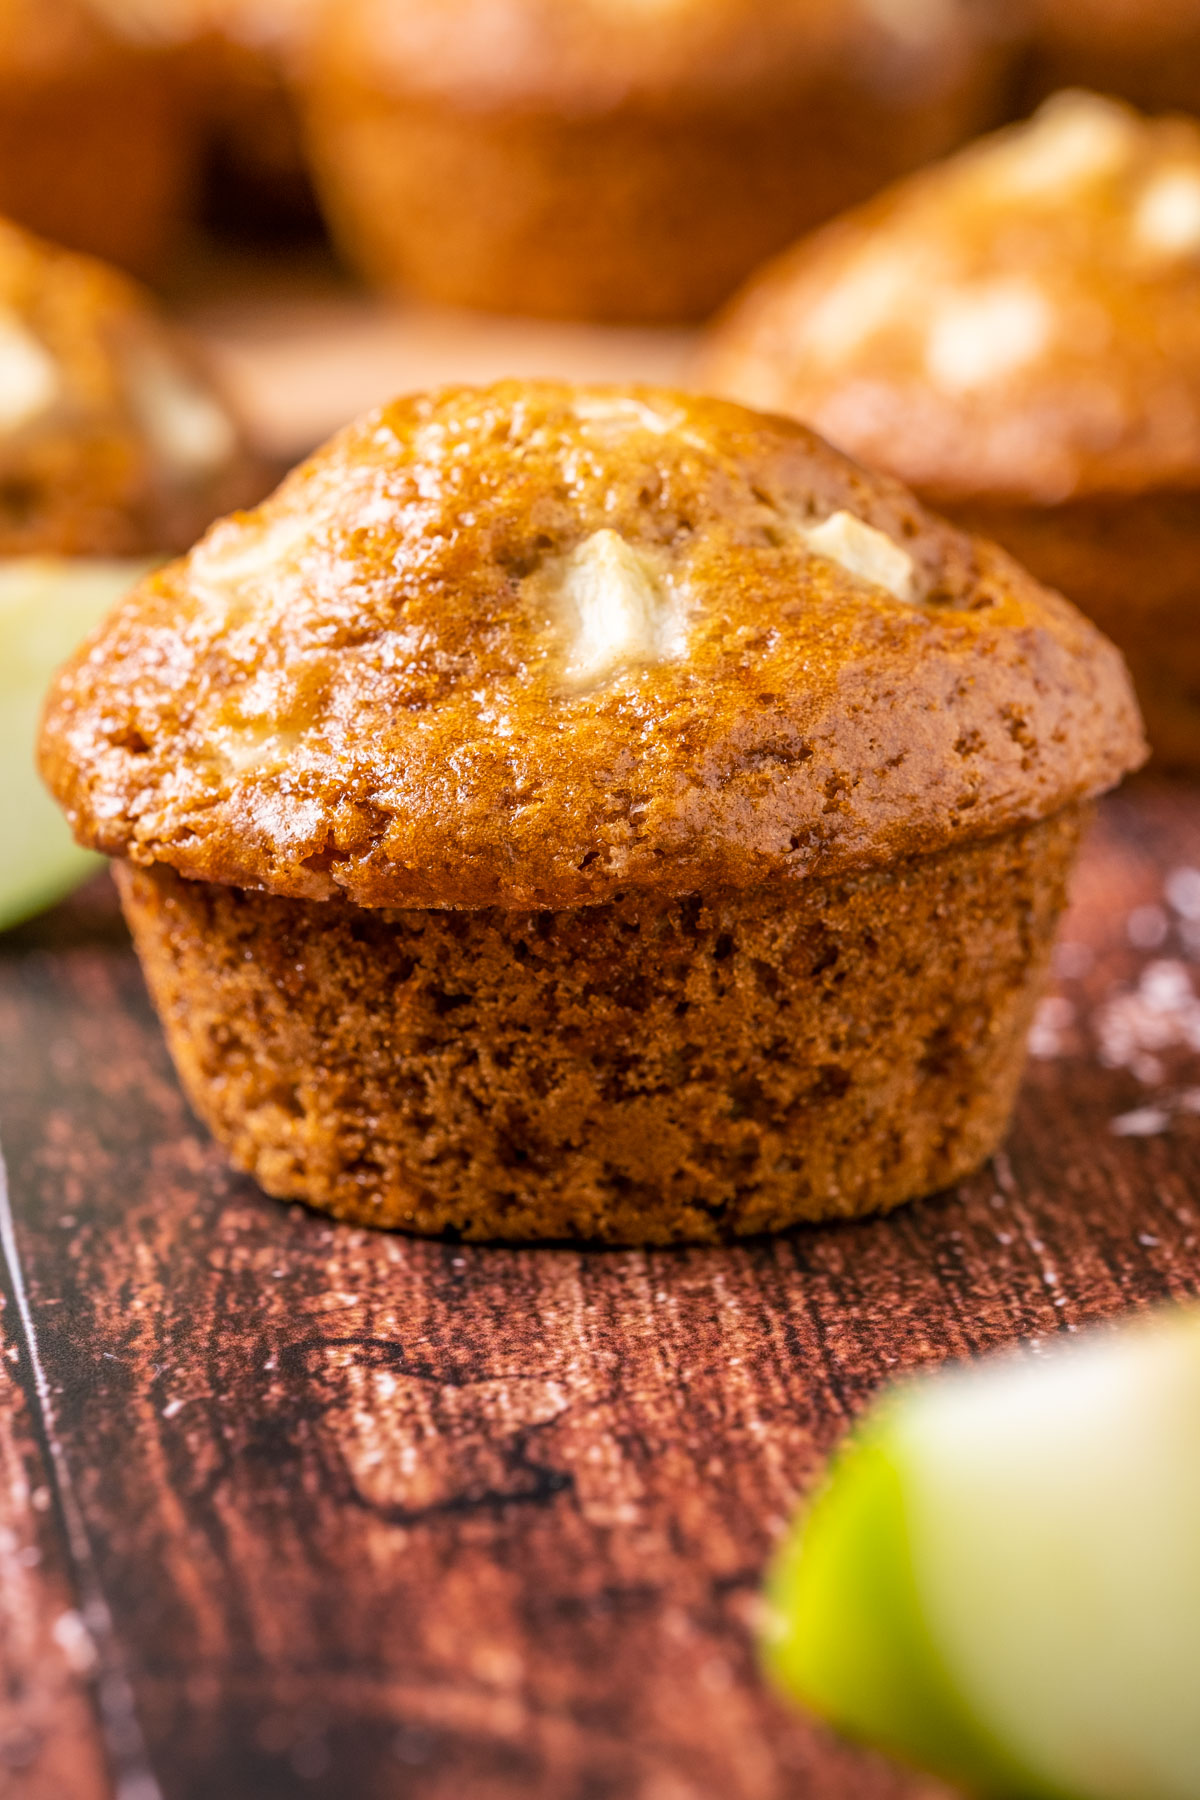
<point>1147,51</point>
<point>608,161</point>
<point>96,147</point>
<point>114,453</point>
<point>597,813</point>
<point>112,440</point>
<point>236,59</point>
<point>1016,334</point>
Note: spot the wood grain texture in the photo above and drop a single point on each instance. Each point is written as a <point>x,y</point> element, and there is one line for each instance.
<point>382,1518</point>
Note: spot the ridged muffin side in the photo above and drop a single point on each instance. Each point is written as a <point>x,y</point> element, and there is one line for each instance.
<point>640,1072</point>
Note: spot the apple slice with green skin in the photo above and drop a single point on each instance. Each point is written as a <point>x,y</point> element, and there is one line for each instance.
<point>47,606</point>
<point>1001,1578</point>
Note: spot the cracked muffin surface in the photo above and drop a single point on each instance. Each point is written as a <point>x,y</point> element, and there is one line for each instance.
<point>534,645</point>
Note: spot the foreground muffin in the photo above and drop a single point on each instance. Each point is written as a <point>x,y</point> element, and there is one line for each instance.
<point>95,147</point>
<point>1016,334</point>
<point>114,452</point>
<point>573,812</point>
<point>612,161</point>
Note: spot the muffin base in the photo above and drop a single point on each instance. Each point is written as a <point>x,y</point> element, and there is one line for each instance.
<point>642,1072</point>
<point>100,159</point>
<point>1130,562</point>
<point>641,215</point>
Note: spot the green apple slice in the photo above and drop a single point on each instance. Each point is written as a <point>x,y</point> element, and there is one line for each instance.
<point>1001,1579</point>
<point>47,605</point>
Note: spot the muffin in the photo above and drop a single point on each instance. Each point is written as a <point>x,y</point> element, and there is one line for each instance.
<point>1016,334</point>
<point>112,441</point>
<point>236,57</point>
<point>114,453</point>
<point>95,147</point>
<point>592,813</point>
<point>1147,51</point>
<point>613,161</point>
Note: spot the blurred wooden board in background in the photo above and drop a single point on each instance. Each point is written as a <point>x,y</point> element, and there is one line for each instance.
<point>369,1518</point>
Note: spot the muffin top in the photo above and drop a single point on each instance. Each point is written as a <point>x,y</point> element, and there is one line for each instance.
<point>1019,323</point>
<point>112,443</point>
<point>533,645</point>
<point>597,54</point>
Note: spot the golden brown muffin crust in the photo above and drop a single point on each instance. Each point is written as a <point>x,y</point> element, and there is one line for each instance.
<point>112,442</point>
<point>534,645</point>
<point>1021,322</point>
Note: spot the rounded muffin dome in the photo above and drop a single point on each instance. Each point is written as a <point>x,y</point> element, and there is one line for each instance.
<point>1022,321</point>
<point>535,645</point>
<point>112,442</point>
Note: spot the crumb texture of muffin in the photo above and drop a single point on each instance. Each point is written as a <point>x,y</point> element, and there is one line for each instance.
<point>612,161</point>
<point>1016,335</point>
<point>586,812</point>
<point>95,147</point>
<point>535,645</point>
<point>631,1073</point>
<point>113,442</point>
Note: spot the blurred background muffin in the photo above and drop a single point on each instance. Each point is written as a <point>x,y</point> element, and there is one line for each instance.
<point>1017,335</point>
<point>114,452</point>
<point>1147,51</point>
<point>111,440</point>
<point>95,146</point>
<point>617,161</point>
<point>235,57</point>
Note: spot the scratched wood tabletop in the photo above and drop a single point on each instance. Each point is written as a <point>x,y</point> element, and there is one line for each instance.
<point>288,1509</point>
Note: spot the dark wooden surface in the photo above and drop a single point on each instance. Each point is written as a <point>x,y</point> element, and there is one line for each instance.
<point>287,1509</point>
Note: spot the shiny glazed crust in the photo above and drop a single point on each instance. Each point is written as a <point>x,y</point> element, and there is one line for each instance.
<point>1019,323</point>
<point>617,162</point>
<point>119,447</point>
<point>642,1072</point>
<point>394,682</point>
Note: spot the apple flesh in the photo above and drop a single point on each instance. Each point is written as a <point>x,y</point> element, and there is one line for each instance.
<point>47,606</point>
<point>1001,1579</point>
